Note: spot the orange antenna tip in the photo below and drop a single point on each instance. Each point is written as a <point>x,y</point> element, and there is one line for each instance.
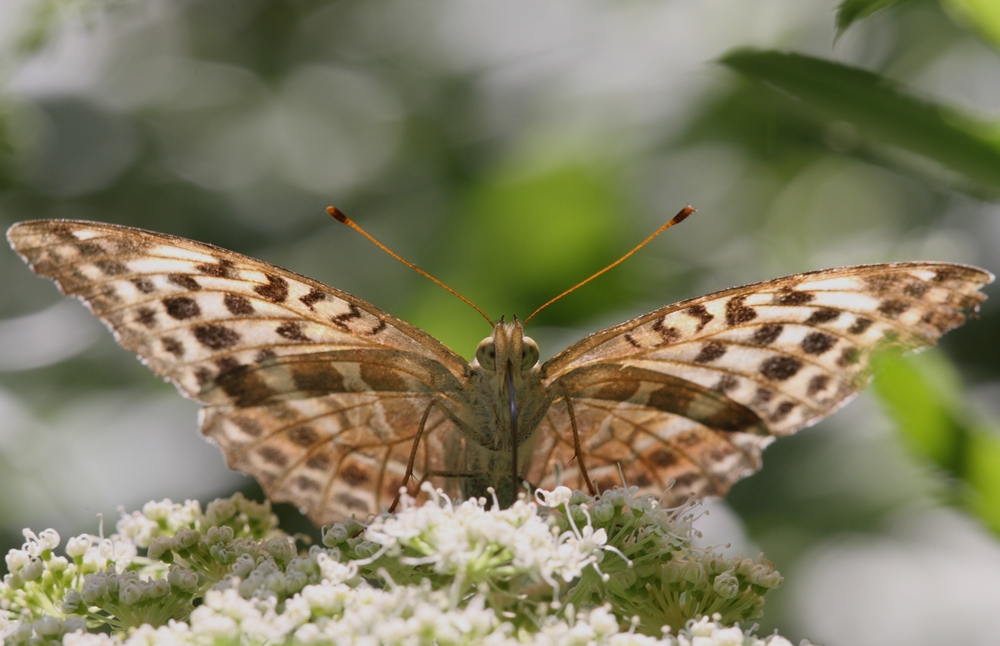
<point>337,214</point>
<point>680,217</point>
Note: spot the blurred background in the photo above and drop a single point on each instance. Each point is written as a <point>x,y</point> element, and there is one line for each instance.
<point>512,148</point>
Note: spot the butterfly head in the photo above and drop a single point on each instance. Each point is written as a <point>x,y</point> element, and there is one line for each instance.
<point>507,346</point>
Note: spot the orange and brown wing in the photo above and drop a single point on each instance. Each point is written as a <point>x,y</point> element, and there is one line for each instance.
<point>256,342</point>
<point>757,361</point>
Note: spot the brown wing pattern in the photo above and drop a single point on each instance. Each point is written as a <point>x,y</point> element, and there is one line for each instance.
<point>295,374</point>
<point>789,351</point>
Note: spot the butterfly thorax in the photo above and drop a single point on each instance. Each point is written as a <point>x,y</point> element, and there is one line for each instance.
<point>506,395</point>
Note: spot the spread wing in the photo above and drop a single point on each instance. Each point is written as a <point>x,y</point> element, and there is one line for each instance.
<point>694,391</point>
<point>312,391</point>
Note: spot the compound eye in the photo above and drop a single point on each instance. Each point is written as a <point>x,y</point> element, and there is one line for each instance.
<point>529,353</point>
<point>486,354</point>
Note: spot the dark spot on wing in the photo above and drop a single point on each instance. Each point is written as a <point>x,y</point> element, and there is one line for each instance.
<point>314,296</point>
<point>817,343</point>
<point>112,267</point>
<point>307,484</point>
<point>860,326</point>
<point>272,455</point>
<point>945,274</point>
<point>248,425</point>
<point>817,385</point>
<point>737,313</point>
<point>893,307</point>
<point>226,364</point>
<point>316,377</point>
<point>849,356</point>
<point>667,334</point>
<point>791,297</point>
<point>883,282</point>
<point>173,346</point>
<point>185,281</point>
<point>761,397</point>
<point>243,386</point>
<point>767,334</point>
<point>202,375</point>
<point>352,474</point>
<point>89,248</point>
<point>291,331</point>
<point>239,305</point>
<point>304,436</point>
<point>320,462</point>
<point>216,337</point>
<point>710,352</point>
<point>781,412</point>
<point>222,270</point>
<point>144,285</point>
<point>351,502</point>
<point>823,315</point>
<point>341,319</point>
<point>181,307</point>
<point>780,368</point>
<point>275,291</point>
<point>663,458</point>
<point>916,289</point>
<point>703,315</point>
<point>146,316</point>
<point>726,383</point>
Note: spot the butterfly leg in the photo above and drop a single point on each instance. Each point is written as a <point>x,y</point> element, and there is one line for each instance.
<point>576,441</point>
<point>408,475</point>
<point>413,454</point>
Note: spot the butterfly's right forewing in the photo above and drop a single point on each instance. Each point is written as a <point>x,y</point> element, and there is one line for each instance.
<point>756,362</point>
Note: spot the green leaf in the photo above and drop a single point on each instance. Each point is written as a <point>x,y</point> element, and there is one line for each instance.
<point>923,396</point>
<point>982,16</point>
<point>851,11</point>
<point>880,110</point>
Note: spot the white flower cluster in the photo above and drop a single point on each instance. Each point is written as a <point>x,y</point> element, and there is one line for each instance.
<point>440,573</point>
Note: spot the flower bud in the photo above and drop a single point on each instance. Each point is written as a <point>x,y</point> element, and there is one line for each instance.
<point>160,549</point>
<point>130,592</point>
<point>71,602</point>
<point>17,559</point>
<point>48,627</point>
<point>183,580</point>
<point>726,585</point>
<point>77,546</point>
<point>185,539</point>
<point>156,588</point>
<point>219,511</point>
<point>32,570</point>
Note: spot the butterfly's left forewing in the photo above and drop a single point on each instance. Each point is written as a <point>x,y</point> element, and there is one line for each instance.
<point>755,362</point>
<point>311,390</point>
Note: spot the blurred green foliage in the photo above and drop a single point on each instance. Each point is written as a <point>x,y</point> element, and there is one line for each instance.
<point>923,395</point>
<point>981,15</point>
<point>870,112</point>
<point>851,11</point>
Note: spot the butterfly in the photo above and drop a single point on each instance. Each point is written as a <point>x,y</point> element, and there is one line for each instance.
<point>334,405</point>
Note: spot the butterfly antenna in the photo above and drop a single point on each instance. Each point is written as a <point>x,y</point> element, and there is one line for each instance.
<point>677,219</point>
<point>340,217</point>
